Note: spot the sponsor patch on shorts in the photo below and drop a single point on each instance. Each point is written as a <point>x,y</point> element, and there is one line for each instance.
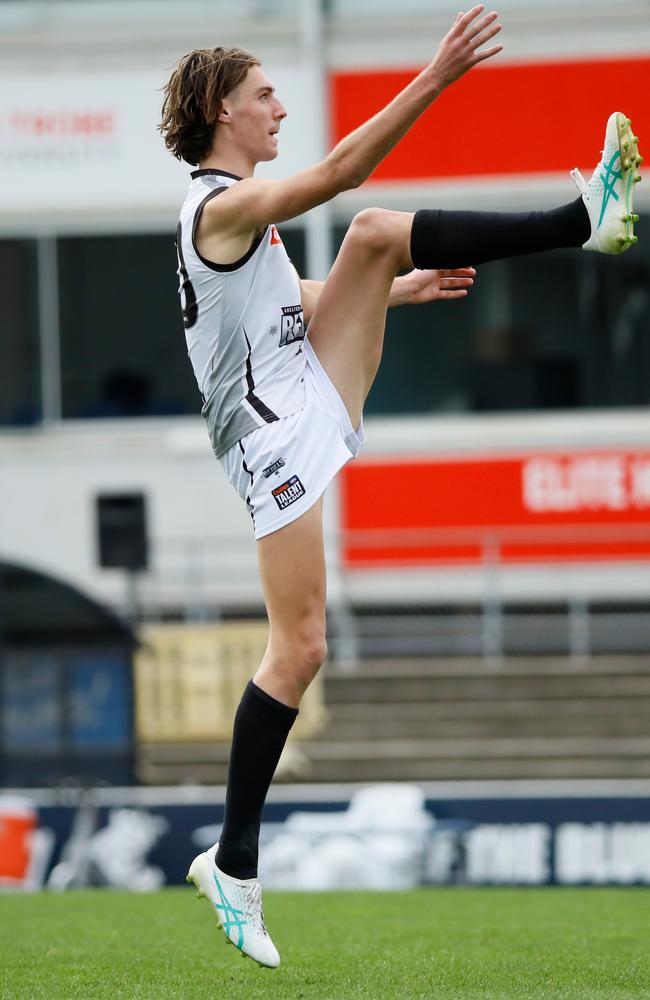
<point>288,492</point>
<point>274,467</point>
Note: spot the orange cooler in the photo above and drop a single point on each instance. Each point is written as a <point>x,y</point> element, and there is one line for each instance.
<point>18,821</point>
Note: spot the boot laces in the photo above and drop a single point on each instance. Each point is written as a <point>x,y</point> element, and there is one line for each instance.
<point>254,906</point>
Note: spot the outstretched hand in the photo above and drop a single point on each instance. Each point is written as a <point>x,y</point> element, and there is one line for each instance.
<point>458,51</point>
<point>418,286</point>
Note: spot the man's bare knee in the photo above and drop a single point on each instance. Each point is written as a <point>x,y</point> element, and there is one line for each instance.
<point>373,229</point>
<point>292,661</point>
<point>308,651</point>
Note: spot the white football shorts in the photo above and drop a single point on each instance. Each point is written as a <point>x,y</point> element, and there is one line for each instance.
<point>282,469</point>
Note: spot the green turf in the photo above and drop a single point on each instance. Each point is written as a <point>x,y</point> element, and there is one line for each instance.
<point>494,944</point>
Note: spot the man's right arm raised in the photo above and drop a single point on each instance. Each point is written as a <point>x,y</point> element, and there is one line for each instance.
<point>254,202</point>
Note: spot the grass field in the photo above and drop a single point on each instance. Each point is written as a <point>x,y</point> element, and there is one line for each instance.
<point>495,944</point>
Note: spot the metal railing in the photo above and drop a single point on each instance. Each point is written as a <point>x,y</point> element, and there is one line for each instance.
<point>490,602</point>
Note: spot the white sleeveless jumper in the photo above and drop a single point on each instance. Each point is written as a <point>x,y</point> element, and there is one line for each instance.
<point>244,324</point>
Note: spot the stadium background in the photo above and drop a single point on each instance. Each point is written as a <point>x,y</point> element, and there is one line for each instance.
<point>489,554</point>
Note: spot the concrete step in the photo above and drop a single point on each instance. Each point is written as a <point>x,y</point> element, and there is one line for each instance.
<point>547,725</point>
<point>185,753</point>
<point>153,773</point>
<point>453,719</point>
<point>511,666</point>
<point>422,759</point>
<point>479,769</point>
<point>466,709</point>
<point>520,748</point>
<point>462,769</point>
<point>434,759</point>
<point>469,746</point>
<point>434,688</point>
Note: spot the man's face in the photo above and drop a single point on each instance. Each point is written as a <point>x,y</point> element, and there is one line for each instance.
<point>254,114</point>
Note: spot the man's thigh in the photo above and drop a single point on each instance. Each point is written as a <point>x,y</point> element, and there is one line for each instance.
<point>347,328</point>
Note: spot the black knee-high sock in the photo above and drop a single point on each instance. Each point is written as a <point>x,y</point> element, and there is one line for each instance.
<point>461,239</point>
<point>260,731</point>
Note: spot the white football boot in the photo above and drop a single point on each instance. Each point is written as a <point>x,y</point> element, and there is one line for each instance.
<point>609,194</point>
<point>238,905</point>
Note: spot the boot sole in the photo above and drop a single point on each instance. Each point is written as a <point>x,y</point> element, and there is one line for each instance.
<point>631,160</point>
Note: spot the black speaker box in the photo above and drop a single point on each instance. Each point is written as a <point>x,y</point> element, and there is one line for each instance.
<point>122,531</point>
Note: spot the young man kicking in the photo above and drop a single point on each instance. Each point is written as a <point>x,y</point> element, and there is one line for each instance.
<point>284,404</point>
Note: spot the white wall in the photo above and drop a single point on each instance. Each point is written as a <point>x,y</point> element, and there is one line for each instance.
<point>202,547</point>
<point>80,149</point>
<point>50,479</point>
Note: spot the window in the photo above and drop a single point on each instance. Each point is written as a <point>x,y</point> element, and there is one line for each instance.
<point>19,347</point>
<point>550,331</point>
<point>123,348</point>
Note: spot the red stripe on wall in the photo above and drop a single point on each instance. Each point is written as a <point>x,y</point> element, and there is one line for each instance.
<point>501,119</point>
<point>569,506</point>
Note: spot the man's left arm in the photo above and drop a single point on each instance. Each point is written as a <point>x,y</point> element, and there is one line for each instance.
<point>408,289</point>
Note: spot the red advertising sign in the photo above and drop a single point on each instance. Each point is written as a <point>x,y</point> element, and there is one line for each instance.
<point>552,113</point>
<point>539,507</point>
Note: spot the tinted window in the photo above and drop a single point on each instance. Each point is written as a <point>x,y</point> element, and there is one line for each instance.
<point>122,341</point>
<point>19,347</point>
<point>550,331</point>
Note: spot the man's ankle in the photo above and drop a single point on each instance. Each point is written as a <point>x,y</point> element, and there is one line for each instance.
<point>238,862</point>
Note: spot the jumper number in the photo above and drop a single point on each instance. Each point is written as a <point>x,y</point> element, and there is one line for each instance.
<point>186,291</point>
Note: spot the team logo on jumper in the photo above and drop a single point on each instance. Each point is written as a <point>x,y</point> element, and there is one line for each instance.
<point>288,493</point>
<point>273,467</point>
<point>292,326</point>
<point>275,237</point>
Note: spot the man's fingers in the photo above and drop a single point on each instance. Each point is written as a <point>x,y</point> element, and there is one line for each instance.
<point>454,272</point>
<point>485,36</point>
<point>479,57</point>
<point>457,281</point>
<point>467,18</point>
<point>481,25</point>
